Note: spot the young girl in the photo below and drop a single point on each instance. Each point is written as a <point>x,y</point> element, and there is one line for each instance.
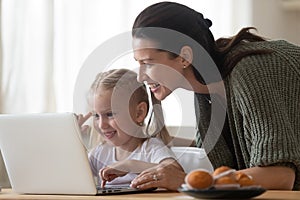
<point>120,106</point>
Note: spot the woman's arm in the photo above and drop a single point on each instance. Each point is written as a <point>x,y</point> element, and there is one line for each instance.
<point>121,168</point>
<point>165,175</point>
<point>170,177</point>
<point>272,177</point>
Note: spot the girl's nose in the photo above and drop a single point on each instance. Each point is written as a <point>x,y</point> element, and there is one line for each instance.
<point>103,123</point>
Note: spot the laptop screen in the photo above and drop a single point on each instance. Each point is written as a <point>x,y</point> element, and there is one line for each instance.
<point>44,154</point>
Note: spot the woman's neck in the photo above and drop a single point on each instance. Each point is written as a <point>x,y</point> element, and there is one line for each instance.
<point>197,87</point>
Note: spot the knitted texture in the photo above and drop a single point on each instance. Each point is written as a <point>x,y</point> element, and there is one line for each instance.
<point>263,99</point>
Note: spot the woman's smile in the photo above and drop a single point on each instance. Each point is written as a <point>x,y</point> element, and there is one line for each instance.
<point>154,87</point>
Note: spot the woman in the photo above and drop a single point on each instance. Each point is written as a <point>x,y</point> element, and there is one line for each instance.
<point>258,89</point>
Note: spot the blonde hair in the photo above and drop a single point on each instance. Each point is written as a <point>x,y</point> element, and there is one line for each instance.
<point>126,79</point>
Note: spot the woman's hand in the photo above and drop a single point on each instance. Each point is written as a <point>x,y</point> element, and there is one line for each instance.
<point>167,176</point>
<point>81,119</point>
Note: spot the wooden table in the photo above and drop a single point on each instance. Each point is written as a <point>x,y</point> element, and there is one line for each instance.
<point>157,195</point>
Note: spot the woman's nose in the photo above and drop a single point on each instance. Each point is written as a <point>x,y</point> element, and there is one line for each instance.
<point>142,76</point>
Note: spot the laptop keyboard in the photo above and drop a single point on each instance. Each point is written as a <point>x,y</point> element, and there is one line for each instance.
<point>114,189</point>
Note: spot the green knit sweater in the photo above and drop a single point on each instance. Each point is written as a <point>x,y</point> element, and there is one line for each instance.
<point>262,126</point>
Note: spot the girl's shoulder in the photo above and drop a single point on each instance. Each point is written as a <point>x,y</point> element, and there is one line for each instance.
<point>154,140</point>
<point>152,143</point>
<point>102,148</point>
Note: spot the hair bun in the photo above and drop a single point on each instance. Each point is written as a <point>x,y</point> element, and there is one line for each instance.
<point>203,21</point>
<point>208,22</point>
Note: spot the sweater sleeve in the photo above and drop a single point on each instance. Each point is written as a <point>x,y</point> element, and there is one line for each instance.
<point>267,99</point>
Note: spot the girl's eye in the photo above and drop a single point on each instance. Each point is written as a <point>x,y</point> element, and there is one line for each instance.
<point>96,116</point>
<point>110,115</point>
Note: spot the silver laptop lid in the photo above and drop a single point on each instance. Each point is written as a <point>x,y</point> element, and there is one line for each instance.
<point>43,154</point>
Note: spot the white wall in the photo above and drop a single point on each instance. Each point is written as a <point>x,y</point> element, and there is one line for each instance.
<point>274,21</point>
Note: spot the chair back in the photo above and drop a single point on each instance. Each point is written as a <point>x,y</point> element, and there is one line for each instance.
<point>192,158</point>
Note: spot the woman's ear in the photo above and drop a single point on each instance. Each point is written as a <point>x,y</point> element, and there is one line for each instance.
<point>141,112</point>
<point>186,53</point>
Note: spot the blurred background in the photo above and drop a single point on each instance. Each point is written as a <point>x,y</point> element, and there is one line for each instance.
<point>44,44</point>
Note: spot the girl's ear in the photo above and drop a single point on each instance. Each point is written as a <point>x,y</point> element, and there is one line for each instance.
<point>141,112</point>
<point>186,53</point>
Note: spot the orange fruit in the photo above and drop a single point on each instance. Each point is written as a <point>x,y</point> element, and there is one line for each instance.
<point>199,179</point>
<point>225,180</point>
<point>220,170</point>
<point>244,179</point>
<point>239,175</point>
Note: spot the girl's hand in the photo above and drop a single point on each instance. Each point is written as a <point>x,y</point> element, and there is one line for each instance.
<point>81,119</point>
<point>113,171</point>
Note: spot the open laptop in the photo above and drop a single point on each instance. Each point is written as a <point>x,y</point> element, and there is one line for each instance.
<point>44,154</point>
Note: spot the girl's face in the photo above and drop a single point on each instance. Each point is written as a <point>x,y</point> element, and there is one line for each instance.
<point>105,121</point>
<point>162,73</point>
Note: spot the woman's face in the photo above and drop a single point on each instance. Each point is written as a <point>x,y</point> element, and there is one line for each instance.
<point>162,73</point>
<point>105,120</point>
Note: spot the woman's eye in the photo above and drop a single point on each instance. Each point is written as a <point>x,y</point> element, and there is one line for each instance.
<point>148,65</point>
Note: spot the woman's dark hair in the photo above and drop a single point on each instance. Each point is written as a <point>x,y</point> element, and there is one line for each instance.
<point>180,18</point>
